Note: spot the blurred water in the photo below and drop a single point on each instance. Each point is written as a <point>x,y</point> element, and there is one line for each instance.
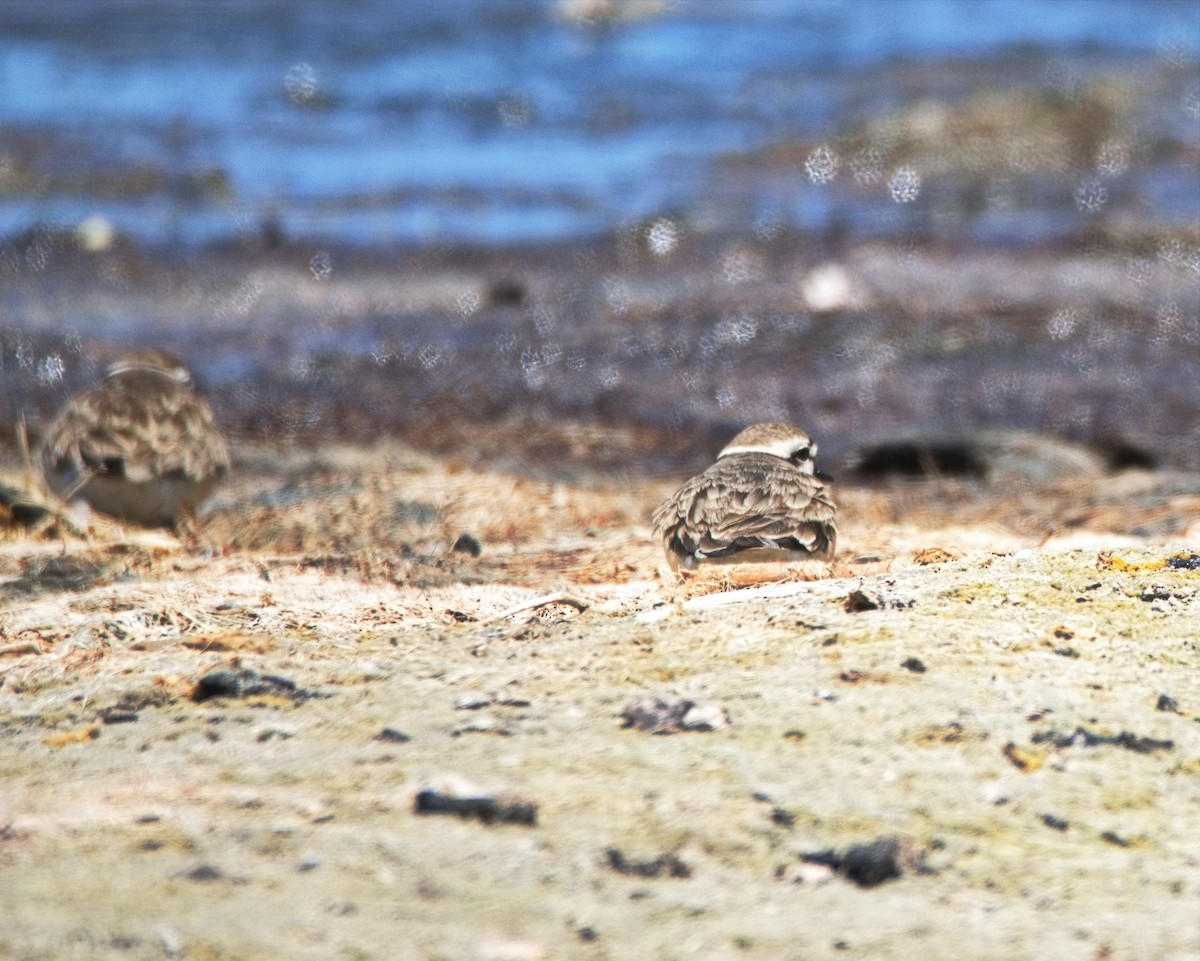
<point>499,120</point>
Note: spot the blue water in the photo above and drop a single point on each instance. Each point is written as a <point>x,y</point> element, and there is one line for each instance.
<point>499,120</point>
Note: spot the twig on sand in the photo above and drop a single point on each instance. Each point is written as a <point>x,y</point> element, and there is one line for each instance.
<point>559,598</point>
<point>22,647</point>
<point>778,589</point>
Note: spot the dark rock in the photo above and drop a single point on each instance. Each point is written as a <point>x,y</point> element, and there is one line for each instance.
<point>913,664</point>
<point>665,865</point>
<point>657,716</point>
<point>21,508</point>
<point>785,819</point>
<point>218,684</point>
<point>1120,454</point>
<point>1082,736</point>
<point>66,572</point>
<point>856,602</point>
<point>918,458</point>
<point>467,544</point>
<point>508,292</point>
<point>117,715</point>
<point>489,810</point>
<point>871,864</point>
<point>204,873</point>
<point>246,683</point>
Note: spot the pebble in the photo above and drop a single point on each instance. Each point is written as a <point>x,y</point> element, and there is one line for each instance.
<point>870,864</point>
<point>654,615</point>
<point>170,940</point>
<point>512,951</point>
<point>658,716</point>
<point>806,872</point>
<point>665,865</point>
<point>467,544</point>
<point>481,724</point>
<point>451,793</point>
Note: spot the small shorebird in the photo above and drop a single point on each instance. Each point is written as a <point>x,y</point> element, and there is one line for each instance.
<point>141,445</point>
<point>760,501</point>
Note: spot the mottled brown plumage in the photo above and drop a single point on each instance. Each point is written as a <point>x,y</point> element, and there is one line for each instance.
<point>758,502</point>
<point>141,445</point>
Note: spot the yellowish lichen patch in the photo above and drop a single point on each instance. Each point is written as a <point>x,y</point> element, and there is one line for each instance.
<point>77,735</point>
<point>1114,562</point>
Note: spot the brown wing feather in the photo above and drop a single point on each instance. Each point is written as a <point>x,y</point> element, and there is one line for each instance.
<point>748,501</point>
<point>108,430</point>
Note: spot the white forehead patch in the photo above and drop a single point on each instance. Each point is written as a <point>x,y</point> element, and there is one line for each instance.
<point>780,447</point>
<point>174,371</point>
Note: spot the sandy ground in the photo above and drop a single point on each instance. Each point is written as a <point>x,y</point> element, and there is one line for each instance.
<point>310,728</point>
<point>1020,713</point>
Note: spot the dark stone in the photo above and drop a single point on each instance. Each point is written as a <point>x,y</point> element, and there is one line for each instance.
<point>489,810</point>
<point>785,819</point>
<point>913,664</point>
<point>1120,454</point>
<point>467,544</point>
<point>917,459</point>
<point>870,864</point>
<point>204,873</point>
<point>665,865</point>
<point>1081,735</point>
<point>867,865</point>
<point>508,292</point>
<point>857,602</point>
<point>117,715</point>
<point>246,683</point>
<point>62,573</point>
<point>656,716</point>
<point>218,684</point>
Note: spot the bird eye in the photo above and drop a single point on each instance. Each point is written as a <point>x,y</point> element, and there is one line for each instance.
<point>800,455</point>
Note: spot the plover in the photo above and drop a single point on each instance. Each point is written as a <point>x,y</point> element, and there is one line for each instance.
<point>140,446</point>
<point>759,502</point>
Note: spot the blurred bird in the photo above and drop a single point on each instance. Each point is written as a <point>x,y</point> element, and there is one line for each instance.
<point>140,446</point>
<point>761,501</point>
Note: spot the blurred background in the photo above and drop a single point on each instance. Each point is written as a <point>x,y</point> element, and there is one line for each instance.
<point>602,235</point>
